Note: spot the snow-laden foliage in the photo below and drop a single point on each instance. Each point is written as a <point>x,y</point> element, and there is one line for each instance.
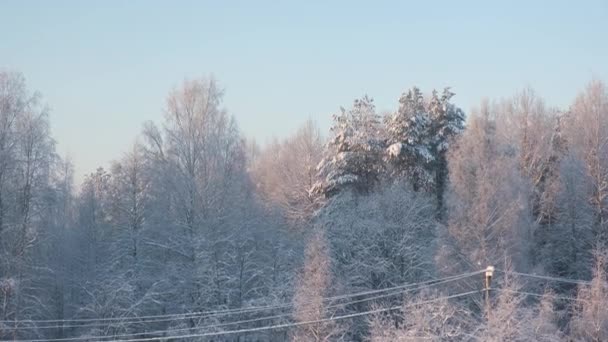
<point>314,284</point>
<point>284,172</point>
<point>380,240</point>
<point>590,318</point>
<point>447,123</point>
<point>409,140</point>
<point>447,120</point>
<point>588,130</point>
<point>27,158</point>
<point>353,155</point>
<point>508,318</point>
<point>421,320</point>
<point>194,217</point>
<point>429,315</point>
<point>419,135</point>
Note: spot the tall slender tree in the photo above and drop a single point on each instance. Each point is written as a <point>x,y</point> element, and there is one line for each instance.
<point>447,122</point>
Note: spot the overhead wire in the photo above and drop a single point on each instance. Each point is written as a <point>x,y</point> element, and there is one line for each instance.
<point>297,324</point>
<point>549,278</point>
<point>206,314</point>
<point>335,305</point>
<point>282,326</point>
<point>539,295</point>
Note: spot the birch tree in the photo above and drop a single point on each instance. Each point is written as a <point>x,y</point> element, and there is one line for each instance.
<point>589,134</point>
<point>313,285</point>
<point>590,319</point>
<point>489,217</point>
<point>285,172</point>
<point>27,154</point>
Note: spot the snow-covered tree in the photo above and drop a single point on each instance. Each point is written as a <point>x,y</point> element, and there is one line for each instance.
<point>284,172</point>
<point>353,155</point>
<point>380,240</point>
<point>489,217</point>
<point>578,205</point>
<point>315,283</point>
<point>565,249</point>
<point>409,142</point>
<point>590,318</point>
<point>60,214</point>
<point>197,219</point>
<point>588,132</point>
<point>544,323</point>
<point>511,318</point>
<point>200,156</point>
<point>27,156</point>
<point>132,259</point>
<point>104,287</point>
<point>446,123</point>
<point>425,316</point>
<point>547,187</point>
<point>210,243</point>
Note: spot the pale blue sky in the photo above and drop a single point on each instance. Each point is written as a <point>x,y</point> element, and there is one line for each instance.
<point>105,67</point>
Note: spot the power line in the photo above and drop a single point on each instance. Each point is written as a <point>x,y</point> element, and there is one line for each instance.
<point>281,326</point>
<point>217,313</point>
<point>291,325</point>
<point>220,313</point>
<point>539,295</point>
<point>400,291</point>
<point>559,279</point>
<point>238,310</point>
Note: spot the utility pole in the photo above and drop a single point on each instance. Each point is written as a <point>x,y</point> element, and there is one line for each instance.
<point>487,283</point>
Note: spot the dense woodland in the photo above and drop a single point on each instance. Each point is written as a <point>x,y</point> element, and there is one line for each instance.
<point>374,231</point>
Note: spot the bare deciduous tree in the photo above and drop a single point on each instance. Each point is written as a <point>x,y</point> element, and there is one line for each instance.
<point>285,172</point>
<point>588,131</point>
<point>313,285</point>
<point>426,316</point>
<point>590,318</point>
<point>488,209</point>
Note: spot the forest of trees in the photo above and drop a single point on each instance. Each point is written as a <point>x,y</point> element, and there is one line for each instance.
<point>378,230</point>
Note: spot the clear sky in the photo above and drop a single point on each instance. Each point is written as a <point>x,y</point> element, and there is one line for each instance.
<point>105,67</point>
